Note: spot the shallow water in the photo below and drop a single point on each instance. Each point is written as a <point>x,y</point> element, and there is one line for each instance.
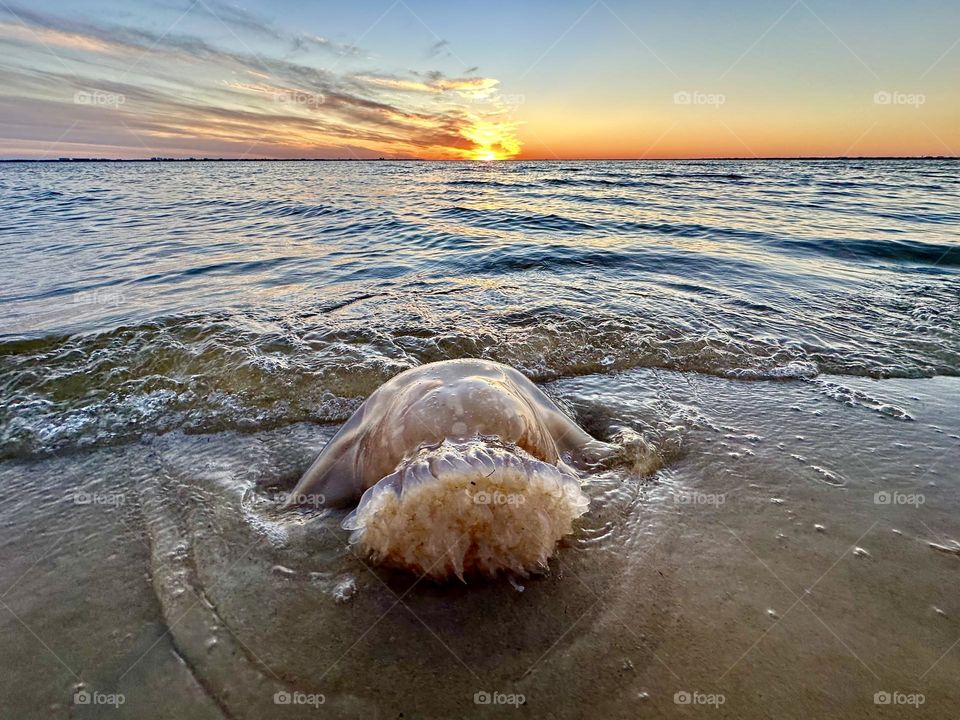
<point>146,297</point>
<point>782,333</point>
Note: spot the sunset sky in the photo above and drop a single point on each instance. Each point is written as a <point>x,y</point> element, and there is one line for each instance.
<point>479,80</point>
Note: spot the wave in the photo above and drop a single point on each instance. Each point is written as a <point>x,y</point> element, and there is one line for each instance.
<point>905,251</point>
<point>481,183</point>
<point>853,249</point>
<point>732,177</point>
<point>593,182</point>
<point>248,210</point>
<point>211,373</point>
<point>508,220</point>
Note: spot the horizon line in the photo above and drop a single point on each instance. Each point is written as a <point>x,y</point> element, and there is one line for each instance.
<point>467,160</point>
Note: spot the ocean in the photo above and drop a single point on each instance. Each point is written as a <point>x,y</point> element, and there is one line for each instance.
<point>179,339</point>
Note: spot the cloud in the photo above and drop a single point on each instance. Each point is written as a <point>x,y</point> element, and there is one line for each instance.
<point>114,38</point>
<point>439,48</point>
<point>182,93</point>
<point>432,83</point>
<point>232,15</point>
<point>306,41</point>
<point>52,37</point>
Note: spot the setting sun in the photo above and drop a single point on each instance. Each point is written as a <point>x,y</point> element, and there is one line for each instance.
<point>492,140</point>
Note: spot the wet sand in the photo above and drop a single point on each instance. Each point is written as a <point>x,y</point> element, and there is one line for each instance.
<point>756,573</point>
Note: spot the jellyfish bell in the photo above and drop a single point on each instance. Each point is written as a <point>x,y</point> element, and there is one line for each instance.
<point>457,467</point>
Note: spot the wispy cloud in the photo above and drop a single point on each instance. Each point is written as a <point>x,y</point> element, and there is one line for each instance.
<point>245,22</point>
<point>306,41</point>
<point>431,83</point>
<point>182,94</point>
<point>233,15</point>
<point>14,31</point>
<point>439,49</point>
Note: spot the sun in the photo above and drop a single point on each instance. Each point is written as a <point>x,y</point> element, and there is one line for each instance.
<point>491,140</point>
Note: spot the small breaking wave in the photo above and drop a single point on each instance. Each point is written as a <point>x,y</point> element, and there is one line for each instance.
<point>209,373</point>
<point>857,398</point>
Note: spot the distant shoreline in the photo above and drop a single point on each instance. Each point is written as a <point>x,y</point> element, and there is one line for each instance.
<point>416,160</point>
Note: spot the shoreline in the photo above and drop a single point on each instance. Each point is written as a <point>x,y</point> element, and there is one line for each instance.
<point>686,581</point>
